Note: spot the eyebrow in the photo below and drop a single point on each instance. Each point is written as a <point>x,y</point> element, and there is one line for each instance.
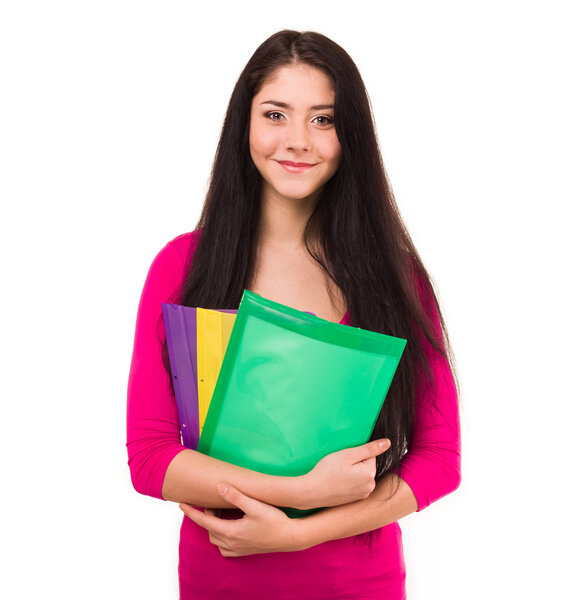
<point>288,106</point>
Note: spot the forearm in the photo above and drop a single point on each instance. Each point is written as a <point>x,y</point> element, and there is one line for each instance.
<point>192,478</point>
<point>391,500</point>
<point>264,528</point>
<point>337,479</point>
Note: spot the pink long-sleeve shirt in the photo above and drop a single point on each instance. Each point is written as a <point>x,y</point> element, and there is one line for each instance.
<point>361,566</point>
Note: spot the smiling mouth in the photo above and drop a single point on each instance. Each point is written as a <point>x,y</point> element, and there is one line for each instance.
<point>295,167</point>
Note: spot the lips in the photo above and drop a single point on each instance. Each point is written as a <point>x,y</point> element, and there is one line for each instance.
<point>295,167</point>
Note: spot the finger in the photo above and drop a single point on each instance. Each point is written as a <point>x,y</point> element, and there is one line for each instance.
<point>369,450</point>
<point>219,541</point>
<point>207,521</point>
<point>236,498</point>
<point>369,466</point>
<point>224,546</point>
<point>372,469</point>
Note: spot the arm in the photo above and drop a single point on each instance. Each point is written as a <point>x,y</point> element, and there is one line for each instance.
<point>430,470</point>
<point>265,528</point>
<point>338,478</point>
<point>431,467</point>
<point>391,500</point>
<point>162,467</point>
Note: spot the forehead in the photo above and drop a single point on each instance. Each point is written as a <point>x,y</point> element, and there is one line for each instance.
<point>297,84</point>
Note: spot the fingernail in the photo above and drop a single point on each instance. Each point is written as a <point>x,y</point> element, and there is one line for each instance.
<point>384,444</point>
<point>222,489</point>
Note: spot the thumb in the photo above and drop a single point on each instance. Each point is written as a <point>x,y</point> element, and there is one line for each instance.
<point>236,498</point>
<point>369,450</point>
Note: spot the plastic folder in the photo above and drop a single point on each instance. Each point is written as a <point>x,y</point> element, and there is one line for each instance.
<point>181,334</point>
<point>294,388</point>
<point>213,332</point>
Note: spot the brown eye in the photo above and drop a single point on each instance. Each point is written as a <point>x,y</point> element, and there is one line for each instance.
<point>323,120</point>
<point>274,116</point>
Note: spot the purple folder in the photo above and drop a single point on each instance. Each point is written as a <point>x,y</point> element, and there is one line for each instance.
<point>181,334</point>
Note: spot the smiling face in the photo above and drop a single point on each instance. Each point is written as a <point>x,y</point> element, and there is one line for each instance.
<point>292,136</point>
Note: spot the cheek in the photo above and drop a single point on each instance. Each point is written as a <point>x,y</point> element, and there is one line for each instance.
<point>262,141</point>
<point>331,150</point>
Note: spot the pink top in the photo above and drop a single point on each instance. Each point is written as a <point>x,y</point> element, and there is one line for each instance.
<point>355,567</point>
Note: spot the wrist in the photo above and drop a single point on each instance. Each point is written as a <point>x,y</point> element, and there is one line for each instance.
<point>303,498</point>
<point>303,534</point>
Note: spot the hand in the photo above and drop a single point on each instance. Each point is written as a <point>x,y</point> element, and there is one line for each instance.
<point>262,529</point>
<point>342,477</point>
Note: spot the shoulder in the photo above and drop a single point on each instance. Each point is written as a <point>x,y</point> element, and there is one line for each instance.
<point>182,246</point>
<point>169,266</point>
<point>179,250</point>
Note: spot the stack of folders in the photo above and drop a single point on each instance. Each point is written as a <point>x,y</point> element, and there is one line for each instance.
<point>272,388</point>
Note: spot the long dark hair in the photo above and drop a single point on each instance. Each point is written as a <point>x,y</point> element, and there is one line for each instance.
<point>355,232</point>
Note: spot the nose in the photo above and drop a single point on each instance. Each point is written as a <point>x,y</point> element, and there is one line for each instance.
<point>297,137</point>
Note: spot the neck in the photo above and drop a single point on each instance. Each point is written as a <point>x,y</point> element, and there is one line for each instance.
<point>283,220</point>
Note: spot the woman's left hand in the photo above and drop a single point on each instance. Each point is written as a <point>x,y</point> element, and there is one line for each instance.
<point>262,529</point>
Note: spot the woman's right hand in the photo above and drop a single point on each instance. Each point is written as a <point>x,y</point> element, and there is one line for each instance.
<point>342,477</point>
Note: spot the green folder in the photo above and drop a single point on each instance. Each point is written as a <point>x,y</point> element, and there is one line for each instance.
<point>294,388</point>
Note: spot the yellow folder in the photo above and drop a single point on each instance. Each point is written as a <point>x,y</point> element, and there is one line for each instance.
<point>213,333</point>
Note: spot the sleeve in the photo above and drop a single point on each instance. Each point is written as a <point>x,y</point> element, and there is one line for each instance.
<point>153,437</point>
<point>431,467</point>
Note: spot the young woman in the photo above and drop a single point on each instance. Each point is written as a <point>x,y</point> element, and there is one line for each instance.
<point>299,210</point>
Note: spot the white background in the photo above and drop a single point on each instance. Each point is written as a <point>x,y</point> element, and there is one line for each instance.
<point>110,112</point>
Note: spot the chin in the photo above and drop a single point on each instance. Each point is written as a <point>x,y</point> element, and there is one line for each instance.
<point>297,192</point>
<point>294,196</point>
